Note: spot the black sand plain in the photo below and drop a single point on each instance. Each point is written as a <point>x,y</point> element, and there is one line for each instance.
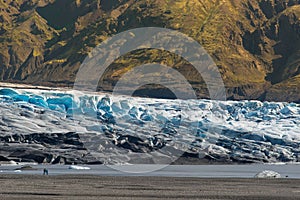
<point>14,187</point>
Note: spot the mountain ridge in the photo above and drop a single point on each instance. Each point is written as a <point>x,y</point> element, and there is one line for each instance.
<point>255,44</point>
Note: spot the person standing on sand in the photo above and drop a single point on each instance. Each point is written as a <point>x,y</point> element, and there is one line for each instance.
<point>45,171</point>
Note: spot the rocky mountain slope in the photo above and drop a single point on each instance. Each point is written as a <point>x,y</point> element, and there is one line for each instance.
<point>255,44</point>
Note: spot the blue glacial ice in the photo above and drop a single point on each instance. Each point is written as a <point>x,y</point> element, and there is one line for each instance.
<point>236,130</point>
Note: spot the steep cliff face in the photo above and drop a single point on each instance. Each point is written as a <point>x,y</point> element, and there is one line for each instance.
<point>256,44</point>
<point>277,43</point>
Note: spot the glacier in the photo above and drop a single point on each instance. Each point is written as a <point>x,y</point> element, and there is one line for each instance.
<point>118,129</point>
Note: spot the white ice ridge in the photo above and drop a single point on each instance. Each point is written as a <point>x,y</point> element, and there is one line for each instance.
<point>77,167</point>
<point>235,130</point>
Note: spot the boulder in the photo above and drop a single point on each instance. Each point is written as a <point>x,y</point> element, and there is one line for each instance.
<point>267,174</point>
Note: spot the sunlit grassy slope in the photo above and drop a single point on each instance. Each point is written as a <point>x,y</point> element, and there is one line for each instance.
<point>255,44</point>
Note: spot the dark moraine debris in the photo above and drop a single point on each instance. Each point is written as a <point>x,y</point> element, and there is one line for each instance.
<point>63,148</point>
<point>139,145</point>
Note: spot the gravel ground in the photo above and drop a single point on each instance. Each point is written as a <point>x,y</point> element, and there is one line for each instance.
<point>98,187</point>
